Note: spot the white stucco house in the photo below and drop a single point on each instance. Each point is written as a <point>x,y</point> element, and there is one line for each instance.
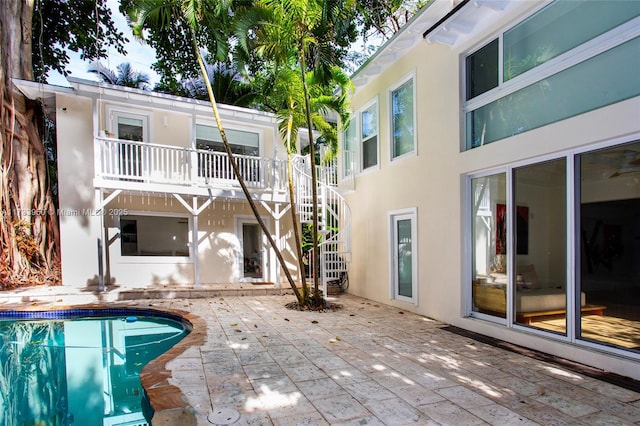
<point>492,168</point>
<point>147,195</point>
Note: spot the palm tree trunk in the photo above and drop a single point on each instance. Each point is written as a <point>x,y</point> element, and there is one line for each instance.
<point>294,214</point>
<point>239,176</point>
<point>314,179</point>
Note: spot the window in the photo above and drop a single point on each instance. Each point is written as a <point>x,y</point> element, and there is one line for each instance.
<point>369,136</point>
<point>553,31</point>
<point>133,159</point>
<point>489,245</point>
<point>403,119</point>
<point>573,272</point>
<point>540,243</point>
<point>482,70</point>
<point>587,66</point>
<point>349,149</point>
<point>608,234</point>
<point>212,158</point>
<point>154,236</point>
<point>404,256</point>
<point>242,142</point>
<point>610,76</point>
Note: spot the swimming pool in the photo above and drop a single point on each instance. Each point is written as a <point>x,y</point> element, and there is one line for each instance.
<point>80,366</point>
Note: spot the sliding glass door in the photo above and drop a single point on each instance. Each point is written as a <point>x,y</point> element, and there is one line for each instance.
<point>489,245</point>
<point>574,273</point>
<point>540,245</point>
<point>608,258</point>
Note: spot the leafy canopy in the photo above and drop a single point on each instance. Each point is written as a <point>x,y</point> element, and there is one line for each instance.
<point>77,25</point>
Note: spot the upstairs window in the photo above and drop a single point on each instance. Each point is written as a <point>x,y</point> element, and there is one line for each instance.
<point>130,125</point>
<point>216,165</point>
<point>242,142</point>
<point>589,51</point>
<point>349,148</point>
<point>403,119</point>
<point>369,136</point>
<point>482,70</point>
<point>558,28</point>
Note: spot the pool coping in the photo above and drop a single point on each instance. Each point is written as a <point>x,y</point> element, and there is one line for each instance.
<point>168,402</point>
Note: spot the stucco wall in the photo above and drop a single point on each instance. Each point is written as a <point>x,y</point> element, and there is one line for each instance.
<point>219,247</point>
<point>427,181</point>
<point>78,223</point>
<point>434,182</point>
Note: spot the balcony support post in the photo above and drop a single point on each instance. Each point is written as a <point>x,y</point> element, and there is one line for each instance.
<point>194,244</point>
<point>277,214</point>
<point>195,211</point>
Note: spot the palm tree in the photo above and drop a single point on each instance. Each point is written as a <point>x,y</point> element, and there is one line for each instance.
<point>229,86</point>
<point>197,14</point>
<point>297,31</point>
<point>281,92</point>
<point>124,75</point>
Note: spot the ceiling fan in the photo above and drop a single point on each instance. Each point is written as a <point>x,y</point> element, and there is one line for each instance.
<point>630,164</point>
<point>622,162</point>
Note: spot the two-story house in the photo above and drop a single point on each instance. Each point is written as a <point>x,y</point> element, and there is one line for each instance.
<point>493,163</point>
<point>147,194</point>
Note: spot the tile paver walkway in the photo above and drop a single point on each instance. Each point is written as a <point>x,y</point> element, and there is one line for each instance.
<point>371,364</point>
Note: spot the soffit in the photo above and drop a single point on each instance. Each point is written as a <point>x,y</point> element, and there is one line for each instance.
<point>453,23</point>
<point>45,93</point>
<point>401,42</point>
<point>476,17</point>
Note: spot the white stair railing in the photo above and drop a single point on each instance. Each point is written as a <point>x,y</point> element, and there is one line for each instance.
<point>334,218</point>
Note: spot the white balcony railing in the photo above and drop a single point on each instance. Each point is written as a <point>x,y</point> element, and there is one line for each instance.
<point>163,164</point>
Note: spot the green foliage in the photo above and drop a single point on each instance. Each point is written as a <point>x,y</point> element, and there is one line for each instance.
<point>77,25</point>
<point>172,38</point>
<point>228,85</point>
<point>124,76</point>
<point>384,18</point>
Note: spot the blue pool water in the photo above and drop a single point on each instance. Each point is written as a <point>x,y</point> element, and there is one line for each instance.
<point>74,368</point>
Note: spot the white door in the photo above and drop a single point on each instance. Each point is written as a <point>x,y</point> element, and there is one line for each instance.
<point>404,256</point>
<point>128,126</point>
<point>253,251</point>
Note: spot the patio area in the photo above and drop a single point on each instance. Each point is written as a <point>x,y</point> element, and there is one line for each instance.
<point>259,363</point>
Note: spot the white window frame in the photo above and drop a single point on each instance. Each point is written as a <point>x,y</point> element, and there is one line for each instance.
<point>587,50</point>
<point>360,140</point>
<point>355,166</point>
<point>114,111</point>
<point>394,216</point>
<point>156,259</point>
<point>411,76</point>
<point>233,126</point>
<point>572,244</point>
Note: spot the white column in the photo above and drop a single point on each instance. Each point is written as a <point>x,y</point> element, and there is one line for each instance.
<point>101,240</point>
<point>277,216</point>
<point>194,244</point>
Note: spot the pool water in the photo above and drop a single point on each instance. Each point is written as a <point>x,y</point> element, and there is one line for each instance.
<point>80,371</point>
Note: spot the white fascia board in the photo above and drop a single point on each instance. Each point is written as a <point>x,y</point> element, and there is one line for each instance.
<point>148,99</point>
<point>35,90</point>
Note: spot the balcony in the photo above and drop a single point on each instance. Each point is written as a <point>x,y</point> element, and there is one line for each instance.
<point>129,165</point>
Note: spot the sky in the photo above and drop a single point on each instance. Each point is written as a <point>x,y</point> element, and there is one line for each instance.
<point>139,55</point>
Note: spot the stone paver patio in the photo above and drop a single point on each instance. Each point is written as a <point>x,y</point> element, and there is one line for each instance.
<point>365,364</point>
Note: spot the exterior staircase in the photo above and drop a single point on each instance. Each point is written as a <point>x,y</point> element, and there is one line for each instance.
<point>334,218</point>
